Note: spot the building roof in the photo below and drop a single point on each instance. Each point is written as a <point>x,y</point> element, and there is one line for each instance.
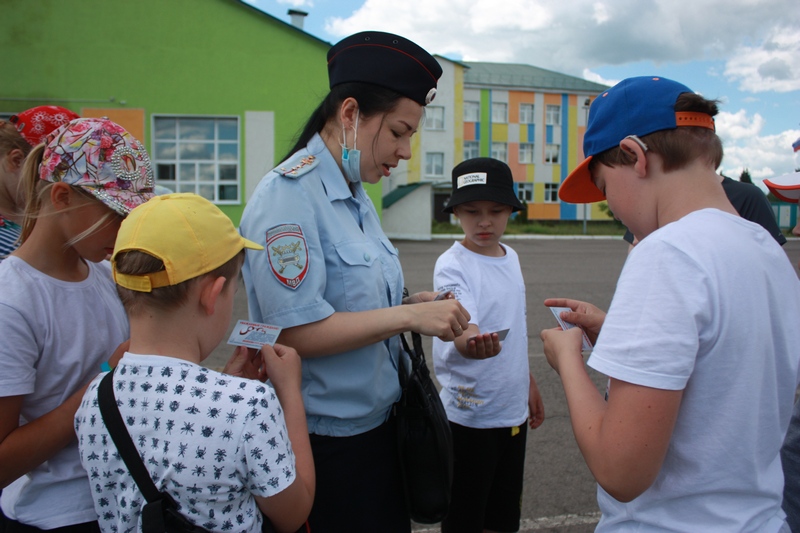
<point>292,26</point>
<point>399,193</point>
<point>525,76</point>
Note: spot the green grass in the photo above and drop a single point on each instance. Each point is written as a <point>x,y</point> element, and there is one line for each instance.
<point>545,227</point>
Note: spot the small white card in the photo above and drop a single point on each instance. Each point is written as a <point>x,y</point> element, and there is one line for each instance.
<point>501,335</point>
<point>587,345</point>
<point>253,334</point>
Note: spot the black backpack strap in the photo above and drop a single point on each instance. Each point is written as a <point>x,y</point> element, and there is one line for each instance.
<point>122,439</point>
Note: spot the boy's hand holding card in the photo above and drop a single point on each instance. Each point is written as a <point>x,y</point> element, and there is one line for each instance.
<point>587,344</point>
<point>253,334</point>
<point>483,346</point>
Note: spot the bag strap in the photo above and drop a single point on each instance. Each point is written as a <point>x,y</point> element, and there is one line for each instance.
<point>122,439</point>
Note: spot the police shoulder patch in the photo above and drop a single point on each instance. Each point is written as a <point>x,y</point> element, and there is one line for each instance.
<point>297,165</point>
<point>288,254</point>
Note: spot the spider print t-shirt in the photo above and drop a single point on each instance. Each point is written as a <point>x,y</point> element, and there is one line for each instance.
<point>211,440</point>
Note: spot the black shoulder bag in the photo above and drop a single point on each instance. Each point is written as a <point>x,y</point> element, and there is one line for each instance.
<point>425,442</point>
<point>160,514</point>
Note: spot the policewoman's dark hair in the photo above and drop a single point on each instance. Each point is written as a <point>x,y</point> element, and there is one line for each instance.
<point>372,100</point>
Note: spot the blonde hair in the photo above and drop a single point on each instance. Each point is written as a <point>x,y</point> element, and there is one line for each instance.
<point>37,192</point>
<point>136,262</point>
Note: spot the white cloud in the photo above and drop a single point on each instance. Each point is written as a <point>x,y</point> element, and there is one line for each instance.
<point>597,78</point>
<point>738,126</point>
<point>756,40</point>
<point>763,156</point>
<point>773,65</point>
<point>571,36</point>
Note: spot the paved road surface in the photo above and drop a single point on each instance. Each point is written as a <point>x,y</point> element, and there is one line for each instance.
<point>559,494</point>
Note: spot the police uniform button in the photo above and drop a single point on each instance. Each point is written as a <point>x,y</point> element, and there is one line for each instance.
<point>366,257</point>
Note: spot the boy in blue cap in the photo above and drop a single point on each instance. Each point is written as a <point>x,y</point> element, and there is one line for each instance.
<point>702,369</point>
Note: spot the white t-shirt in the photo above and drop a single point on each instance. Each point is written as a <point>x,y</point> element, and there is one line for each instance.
<point>54,335</point>
<point>211,440</point>
<point>489,393</point>
<point>710,305</point>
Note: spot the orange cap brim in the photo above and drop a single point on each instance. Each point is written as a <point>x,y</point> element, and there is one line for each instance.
<point>579,188</point>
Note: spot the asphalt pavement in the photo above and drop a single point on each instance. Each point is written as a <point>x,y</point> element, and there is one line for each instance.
<point>559,492</point>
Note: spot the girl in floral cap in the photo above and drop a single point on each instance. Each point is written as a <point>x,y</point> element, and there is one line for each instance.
<point>60,316</point>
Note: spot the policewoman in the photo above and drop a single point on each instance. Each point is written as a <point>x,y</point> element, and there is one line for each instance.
<point>333,282</point>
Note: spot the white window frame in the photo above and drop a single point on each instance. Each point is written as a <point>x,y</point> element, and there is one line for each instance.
<point>551,193</point>
<point>472,149</point>
<point>553,117</point>
<point>214,170</point>
<point>472,111</point>
<point>525,192</point>
<point>499,113</point>
<point>526,113</point>
<point>434,168</point>
<point>526,151</point>
<point>500,151</point>
<point>552,153</point>
<point>434,117</point>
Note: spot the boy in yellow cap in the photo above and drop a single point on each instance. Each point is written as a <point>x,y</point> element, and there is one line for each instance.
<point>225,447</point>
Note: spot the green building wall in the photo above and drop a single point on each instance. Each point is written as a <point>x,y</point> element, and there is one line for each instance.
<point>175,57</point>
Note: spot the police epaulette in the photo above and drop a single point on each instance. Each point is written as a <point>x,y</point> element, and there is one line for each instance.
<point>297,166</point>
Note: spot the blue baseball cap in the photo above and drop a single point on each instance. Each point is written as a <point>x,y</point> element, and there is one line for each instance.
<point>635,106</point>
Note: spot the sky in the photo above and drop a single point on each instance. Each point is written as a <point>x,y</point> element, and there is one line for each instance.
<point>744,53</point>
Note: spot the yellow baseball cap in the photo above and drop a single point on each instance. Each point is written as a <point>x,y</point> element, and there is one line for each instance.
<point>189,234</point>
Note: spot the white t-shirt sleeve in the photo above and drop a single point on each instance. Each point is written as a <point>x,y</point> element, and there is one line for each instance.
<point>18,353</point>
<point>653,330</point>
<point>448,275</point>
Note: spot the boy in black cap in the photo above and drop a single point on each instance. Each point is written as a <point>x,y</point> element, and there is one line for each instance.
<point>487,389</point>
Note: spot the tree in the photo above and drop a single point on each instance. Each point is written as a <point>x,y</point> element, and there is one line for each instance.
<point>744,177</point>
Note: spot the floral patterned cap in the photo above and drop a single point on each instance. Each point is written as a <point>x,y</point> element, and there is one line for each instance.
<point>102,158</point>
<point>35,123</point>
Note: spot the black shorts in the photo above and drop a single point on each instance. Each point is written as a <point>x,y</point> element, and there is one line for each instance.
<point>359,489</point>
<point>487,479</point>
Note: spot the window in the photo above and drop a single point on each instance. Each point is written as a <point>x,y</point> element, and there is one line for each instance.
<point>553,115</point>
<point>550,193</point>
<point>500,151</point>
<point>434,164</point>
<point>551,153</point>
<point>199,155</point>
<point>499,112</point>
<point>526,152</point>
<point>472,111</point>
<point>472,149</point>
<point>526,113</point>
<point>434,118</point>
<point>525,192</point>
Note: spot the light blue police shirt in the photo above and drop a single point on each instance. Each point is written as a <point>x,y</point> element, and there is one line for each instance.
<point>325,252</point>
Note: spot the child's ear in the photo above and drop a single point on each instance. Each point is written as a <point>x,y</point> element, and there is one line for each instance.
<point>61,195</point>
<point>15,159</point>
<point>210,290</point>
<point>637,149</point>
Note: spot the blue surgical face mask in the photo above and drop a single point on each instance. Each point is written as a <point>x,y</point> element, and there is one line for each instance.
<point>351,159</point>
